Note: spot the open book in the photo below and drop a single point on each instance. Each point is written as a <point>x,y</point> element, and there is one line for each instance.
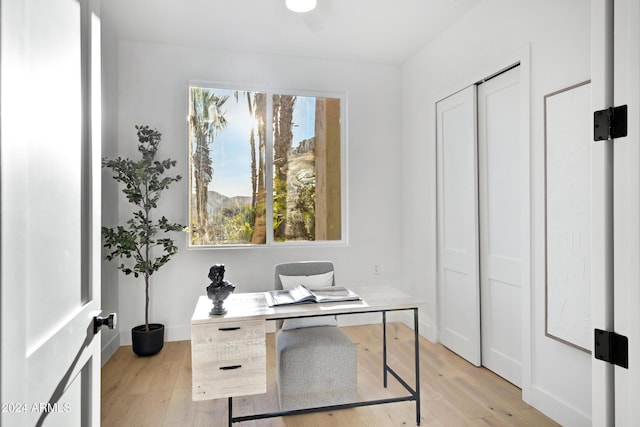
<point>301,294</point>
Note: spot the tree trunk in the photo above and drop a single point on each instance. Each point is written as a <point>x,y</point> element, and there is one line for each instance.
<point>282,139</point>
<point>146,302</point>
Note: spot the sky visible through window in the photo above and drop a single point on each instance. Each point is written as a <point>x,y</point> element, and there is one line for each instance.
<point>231,149</point>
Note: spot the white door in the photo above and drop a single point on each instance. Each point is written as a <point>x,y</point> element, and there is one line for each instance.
<point>458,288</point>
<point>50,225</point>
<point>501,201</point>
<point>626,208</point>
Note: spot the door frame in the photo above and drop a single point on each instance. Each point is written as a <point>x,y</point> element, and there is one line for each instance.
<point>626,209</point>
<point>615,61</point>
<point>602,403</point>
<point>519,57</point>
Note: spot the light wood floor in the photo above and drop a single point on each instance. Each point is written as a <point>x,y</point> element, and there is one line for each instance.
<point>156,391</point>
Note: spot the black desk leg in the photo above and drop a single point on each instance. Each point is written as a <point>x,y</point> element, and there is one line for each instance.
<point>417,356</point>
<point>386,369</point>
<point>384,348</point>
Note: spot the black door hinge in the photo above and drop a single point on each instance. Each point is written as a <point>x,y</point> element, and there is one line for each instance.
<point>611,347</point>
<point>610,123</point>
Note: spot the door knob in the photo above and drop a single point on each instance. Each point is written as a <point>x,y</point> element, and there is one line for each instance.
<point>110,322</point>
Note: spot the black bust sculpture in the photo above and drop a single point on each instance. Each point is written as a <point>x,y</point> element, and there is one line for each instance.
<point>219,289</point>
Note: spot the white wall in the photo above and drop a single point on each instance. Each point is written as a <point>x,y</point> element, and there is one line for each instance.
<point>152,89</point>
<point>558,34</point>
<point>110,300</point>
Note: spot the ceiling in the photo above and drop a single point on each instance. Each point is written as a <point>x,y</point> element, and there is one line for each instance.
<point>382,31</point>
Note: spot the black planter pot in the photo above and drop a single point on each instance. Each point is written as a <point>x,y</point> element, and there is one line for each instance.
<point>147,343</point>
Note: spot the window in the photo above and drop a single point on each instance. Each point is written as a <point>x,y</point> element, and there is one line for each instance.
<point>239,138</point>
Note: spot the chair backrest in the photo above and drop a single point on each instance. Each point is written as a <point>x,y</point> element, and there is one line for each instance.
<point>302,268</point>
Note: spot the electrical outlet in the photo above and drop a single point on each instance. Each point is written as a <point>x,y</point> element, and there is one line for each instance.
<point>376,268</point>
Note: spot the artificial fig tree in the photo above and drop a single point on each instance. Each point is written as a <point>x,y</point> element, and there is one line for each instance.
<point>142,243</point>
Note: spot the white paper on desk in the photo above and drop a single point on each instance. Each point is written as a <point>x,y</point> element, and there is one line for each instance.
<point>334,294</point>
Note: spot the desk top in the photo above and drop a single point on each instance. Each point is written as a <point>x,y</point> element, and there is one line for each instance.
<point>253,306</point>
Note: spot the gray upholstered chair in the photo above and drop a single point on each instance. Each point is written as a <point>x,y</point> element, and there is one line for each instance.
<point>316,361</point>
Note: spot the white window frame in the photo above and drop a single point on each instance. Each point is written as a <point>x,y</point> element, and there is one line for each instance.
<point>270,242</point>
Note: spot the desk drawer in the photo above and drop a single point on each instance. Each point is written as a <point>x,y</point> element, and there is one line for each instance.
<point>231,331</point>
<point>228,341</point>
<point>228,359</point>
<point>233,378</point>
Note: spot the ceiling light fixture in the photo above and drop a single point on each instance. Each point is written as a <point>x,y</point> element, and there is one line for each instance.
<point>300,6</point>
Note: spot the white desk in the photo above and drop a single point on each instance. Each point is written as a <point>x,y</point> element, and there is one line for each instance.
<point>229,352</point>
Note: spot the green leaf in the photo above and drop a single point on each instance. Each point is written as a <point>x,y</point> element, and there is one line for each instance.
<point>143,180</point>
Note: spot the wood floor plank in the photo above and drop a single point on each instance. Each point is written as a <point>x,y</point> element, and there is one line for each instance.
<point>153,407</point>
<point>156,391</point>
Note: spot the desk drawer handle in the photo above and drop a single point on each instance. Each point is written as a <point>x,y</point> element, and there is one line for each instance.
<point>229,329</point>
<point>228,368</point>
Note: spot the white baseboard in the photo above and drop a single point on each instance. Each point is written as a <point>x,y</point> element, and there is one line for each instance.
<point>429,331</point>
<point>183,332</point>
<point>125,339</point>
<point>559,411</point>
<point>171,333</point>
<point>425,329</point>
<point>177,333</point>
<point>360,319</point>
<point>110,348</point>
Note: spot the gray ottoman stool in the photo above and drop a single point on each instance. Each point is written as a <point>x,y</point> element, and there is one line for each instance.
<point>316,366</point>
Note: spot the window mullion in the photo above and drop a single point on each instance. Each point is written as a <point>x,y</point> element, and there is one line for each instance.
<point>269,170</point>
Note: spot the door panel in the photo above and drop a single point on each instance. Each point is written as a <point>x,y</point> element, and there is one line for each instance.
<point>458,290</point>
<point>50,222</point>
<point>501,184</point>
<point>502,346</point>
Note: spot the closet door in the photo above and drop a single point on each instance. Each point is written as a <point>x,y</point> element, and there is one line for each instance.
<point>501,223</point>
<point>458,288</point>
